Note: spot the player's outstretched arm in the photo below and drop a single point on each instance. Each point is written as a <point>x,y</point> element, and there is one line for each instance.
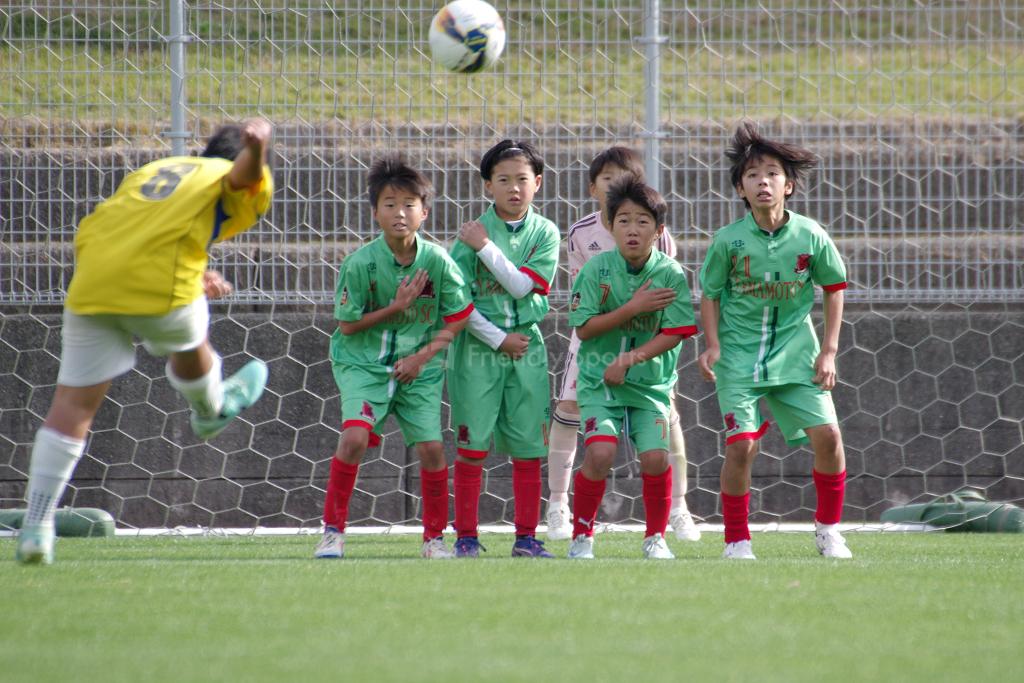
<point>825,364</point>
<point>248,167</point>
<point>615,373</point>
<point>645,300</point>
<point>710,310</point>
<point>408,290</point>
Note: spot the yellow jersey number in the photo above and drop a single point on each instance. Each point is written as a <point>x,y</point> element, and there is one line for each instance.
<point>166,181</point>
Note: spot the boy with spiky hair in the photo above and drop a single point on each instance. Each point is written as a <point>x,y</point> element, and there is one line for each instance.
<point>758,283</point>
<point>399,302</point>
<point>631,309</point>
<point>140,271</point>
<point>589,236</point>
<point>497,371</point>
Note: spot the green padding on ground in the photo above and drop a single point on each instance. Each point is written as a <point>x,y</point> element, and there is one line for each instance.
<point>69,521</point>
<point>965,510</point>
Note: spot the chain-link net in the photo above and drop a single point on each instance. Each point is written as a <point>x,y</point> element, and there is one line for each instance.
<point>914,109</point>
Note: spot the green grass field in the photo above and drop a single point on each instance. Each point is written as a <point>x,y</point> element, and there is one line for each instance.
<point>909,607</point>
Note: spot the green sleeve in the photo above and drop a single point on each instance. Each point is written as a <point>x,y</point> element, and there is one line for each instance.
<point>454,294</point>
<point>464,259</point>
<point>679,317</point>
<point>352,292</point>
<point>827,266</point>
<point>542,259</point>
<point>714,274</point>
<point>585,300</point>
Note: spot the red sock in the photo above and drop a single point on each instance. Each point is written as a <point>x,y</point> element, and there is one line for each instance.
<point>586,499</point>
<point>830,488</point>
<point>526,487</point>
<point>657,493</point>
<point>735,513</point>
<point>434,488</point>
<point>339,489</point>
<point>467,498</point>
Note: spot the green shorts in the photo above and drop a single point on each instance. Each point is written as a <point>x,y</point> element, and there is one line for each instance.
<point>647,429</point>
<point>794,406</point>
<point>368,397</point>
<point>494,396</point>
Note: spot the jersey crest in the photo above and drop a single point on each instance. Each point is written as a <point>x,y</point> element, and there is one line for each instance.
<point>730,422</point>
<point>367,411</point>
<point>575,303</point>
<point>590,426</point>
<point>428,290</point>
<point>463,436</point>
<point>803,262</point>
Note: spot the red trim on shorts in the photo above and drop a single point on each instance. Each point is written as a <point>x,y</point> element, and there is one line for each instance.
<point>456,317</point>
<point>471,454</point>
<point>543,286</point>
<point>748,436</point>
<point>687,331</point>
<point>375,438</point>
<point>834,288</point>
<point>598,438</point>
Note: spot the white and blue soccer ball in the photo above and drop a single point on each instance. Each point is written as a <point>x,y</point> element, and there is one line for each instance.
<point>467,36</point>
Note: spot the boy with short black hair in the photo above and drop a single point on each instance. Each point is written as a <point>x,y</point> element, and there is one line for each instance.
<point>497,370</point>
<point>589,236</point>
<point>758,291</point>
<point>140,271</point>
<point>400,300</point>
<point>631,309</point>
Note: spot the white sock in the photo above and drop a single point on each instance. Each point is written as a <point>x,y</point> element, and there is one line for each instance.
<point>205,394</point>
<point>561,453</point>
<point>54,456</point>
<point>677,459</point>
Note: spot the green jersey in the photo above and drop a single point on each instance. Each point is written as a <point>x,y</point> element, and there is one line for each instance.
<point>532,247</point>
<point>764,283</point>
<point>604,284</point>
<point>368,281</point>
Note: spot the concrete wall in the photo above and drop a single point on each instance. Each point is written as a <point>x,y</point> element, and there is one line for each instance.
<point>931,399</point>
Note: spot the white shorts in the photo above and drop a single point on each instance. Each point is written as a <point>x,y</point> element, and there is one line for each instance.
<point>98,348</point>
<point>571,371</point>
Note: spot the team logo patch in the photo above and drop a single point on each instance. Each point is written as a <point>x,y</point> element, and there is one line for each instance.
<point>463,436</point>
<point>738,244</point>
<point>590,426</point>
<point>428,290</point>
<point>367,411</point>
<point>803,262</point>
<point>344,295</point>
<point>731,425</point>
<point>575,303</point>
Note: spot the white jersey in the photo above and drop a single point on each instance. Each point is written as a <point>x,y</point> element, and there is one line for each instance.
<point>588,237</point>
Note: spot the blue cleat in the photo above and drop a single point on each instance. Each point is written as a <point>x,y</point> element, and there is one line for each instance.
<point>529,546</point>
<point>468,546</point>
<point>35,545</point>
<point>241,390</point>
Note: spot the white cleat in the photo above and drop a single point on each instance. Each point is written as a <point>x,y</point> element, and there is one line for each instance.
<point>655,548</point>
<point>559,523</point>
<point>683,525</point>
<point>738,550</point>
<point>830,542</point>
<point>582,548</point>
<point>331,546</point>
<point>35,545</point>
<point>435,549</point>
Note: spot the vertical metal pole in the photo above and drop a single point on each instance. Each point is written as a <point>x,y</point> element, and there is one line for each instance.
<point>177,39</point>
<point>652,82</point>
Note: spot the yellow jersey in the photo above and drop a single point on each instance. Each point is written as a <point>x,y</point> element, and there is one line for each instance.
<point>143,250</point>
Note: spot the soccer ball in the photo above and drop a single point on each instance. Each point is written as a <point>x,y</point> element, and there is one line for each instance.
<point>466,36</point>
